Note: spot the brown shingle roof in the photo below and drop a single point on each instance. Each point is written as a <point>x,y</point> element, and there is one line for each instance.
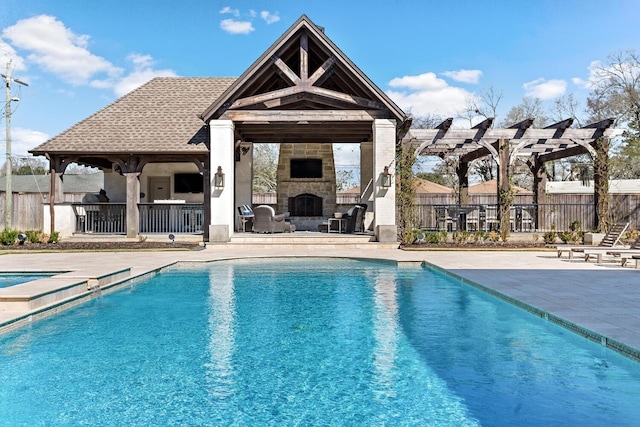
<point>159,116</point>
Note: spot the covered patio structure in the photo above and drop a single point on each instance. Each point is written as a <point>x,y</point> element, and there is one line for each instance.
<point>178,152</point>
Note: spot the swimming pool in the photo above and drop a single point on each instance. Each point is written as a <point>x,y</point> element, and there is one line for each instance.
<point>308,342</point>
<point>10,279</point>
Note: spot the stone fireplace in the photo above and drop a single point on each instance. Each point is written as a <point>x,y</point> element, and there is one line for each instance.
<point>306,183</point>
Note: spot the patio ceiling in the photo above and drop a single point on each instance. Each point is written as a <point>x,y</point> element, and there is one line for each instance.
<point>550,143</point>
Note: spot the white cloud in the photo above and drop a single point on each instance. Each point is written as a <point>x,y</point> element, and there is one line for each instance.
<point>8,53</point>
<point>232,26</point>
<point>428,94</point>
<point>545,89</point>
<point>143,72</point>
<point>23,140</point>
<point>227,10</point>
<point>58,50</point>
<point>269,17</point>
<point>464,76</point>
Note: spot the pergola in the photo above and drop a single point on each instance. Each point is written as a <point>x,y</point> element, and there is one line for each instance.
<point>534,147</point>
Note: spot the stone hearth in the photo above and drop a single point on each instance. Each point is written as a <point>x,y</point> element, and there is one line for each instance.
<point>323,188</point>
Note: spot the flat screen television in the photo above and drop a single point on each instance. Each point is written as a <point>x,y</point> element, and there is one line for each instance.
<point>188,183</point>
<point>306,168</point>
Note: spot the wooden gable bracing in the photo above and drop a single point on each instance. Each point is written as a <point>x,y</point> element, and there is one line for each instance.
<point>303,89</point>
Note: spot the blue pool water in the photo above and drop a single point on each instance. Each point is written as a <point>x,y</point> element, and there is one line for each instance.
<point>10,279</point>
<point>309,342</point>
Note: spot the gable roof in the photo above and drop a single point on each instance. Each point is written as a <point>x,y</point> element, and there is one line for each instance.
<point>491,187</point>
<point>160,116</point>
<point>425,186</point>
<point>303,79</point>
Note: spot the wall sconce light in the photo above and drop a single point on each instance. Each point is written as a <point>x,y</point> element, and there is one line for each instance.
<point>385,178</point>
<point>218,178</point>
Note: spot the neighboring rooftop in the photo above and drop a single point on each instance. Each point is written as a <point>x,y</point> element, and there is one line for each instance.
<point>82,183</point>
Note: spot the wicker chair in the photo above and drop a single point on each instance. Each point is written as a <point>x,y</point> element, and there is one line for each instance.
<point>266,221</point>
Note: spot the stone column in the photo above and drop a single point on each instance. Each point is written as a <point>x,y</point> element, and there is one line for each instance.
<point>222,199</point>
<point>133,198</point>
<point>384,205</point>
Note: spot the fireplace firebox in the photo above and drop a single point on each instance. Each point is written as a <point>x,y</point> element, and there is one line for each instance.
<point>305,205</point>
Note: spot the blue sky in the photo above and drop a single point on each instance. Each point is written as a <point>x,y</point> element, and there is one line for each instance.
<point>429,56</point>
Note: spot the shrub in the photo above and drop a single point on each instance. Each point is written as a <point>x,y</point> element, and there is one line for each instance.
<point>549,237</point>
<point>36,236</point>
<point>8,236</point>
<point>54,237</point>
<point>461,237</point>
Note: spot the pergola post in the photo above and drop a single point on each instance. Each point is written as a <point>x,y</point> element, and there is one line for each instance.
<point>504,187</point>
<point>539,190</point>
<point>462,170</point>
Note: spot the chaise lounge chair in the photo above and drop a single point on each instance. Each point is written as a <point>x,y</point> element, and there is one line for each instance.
<point>624,254</point>
<point>265,220</point>
<point>611,239</point>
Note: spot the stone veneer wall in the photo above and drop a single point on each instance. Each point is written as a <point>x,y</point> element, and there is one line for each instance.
<point>324,187</point>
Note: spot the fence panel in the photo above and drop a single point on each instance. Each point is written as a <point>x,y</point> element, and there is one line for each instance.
<point>26,212</point>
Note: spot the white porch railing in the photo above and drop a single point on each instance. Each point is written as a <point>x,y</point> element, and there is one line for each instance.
<point>111,218</point>
<point>171,218</point>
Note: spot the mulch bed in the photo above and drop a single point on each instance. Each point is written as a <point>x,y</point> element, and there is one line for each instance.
<point>105,246</point>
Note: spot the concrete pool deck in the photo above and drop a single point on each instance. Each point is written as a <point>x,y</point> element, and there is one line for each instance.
<point>601,300</point>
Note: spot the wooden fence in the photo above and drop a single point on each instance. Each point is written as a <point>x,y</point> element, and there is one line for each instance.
<point>28,209</point>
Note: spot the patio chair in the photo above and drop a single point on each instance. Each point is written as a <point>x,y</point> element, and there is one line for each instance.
<point>611,239</point>
<point>355,218</point>
<point>245,214</point>
<point>265,220</point>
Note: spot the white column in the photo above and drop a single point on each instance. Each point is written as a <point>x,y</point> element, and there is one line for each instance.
<point>222,199</point>
<point>384,153</point>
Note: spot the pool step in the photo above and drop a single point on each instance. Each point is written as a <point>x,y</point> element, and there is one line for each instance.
<point>309,239</point>
<point>34,295</point>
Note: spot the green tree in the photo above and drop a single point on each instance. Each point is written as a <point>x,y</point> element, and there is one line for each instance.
<point>265,166</point>
<point>27,166</point>
<point>436,177</point>
<point>345,179</point>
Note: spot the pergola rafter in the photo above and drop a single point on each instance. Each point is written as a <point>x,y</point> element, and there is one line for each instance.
<point>520,141</point>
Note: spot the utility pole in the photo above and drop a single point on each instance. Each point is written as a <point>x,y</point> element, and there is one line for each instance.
<point>8,202</point>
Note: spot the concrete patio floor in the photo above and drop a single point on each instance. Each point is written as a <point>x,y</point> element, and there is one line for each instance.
<point>601,301</point>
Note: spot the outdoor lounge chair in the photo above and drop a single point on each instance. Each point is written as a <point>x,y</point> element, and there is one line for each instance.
<point>624,254</point>
<point>265,220</point>
<point>611,239</point>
